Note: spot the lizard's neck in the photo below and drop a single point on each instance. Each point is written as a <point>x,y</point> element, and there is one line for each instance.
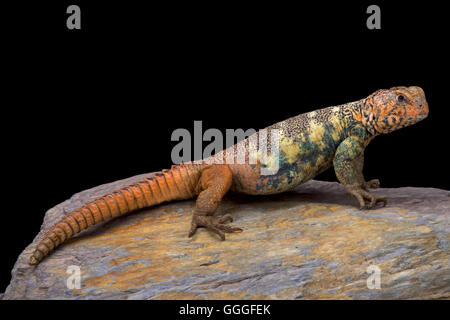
<point>366,116</point>
<point>361,112</point>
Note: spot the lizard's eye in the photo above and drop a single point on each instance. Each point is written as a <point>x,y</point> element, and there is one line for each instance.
<point>401,98</point>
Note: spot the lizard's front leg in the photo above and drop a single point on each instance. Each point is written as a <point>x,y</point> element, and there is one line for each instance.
<point>348,163</point>
<point>214,183</point>
<point>359,164</point>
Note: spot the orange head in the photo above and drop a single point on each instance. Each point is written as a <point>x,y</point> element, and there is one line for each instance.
<point>387,110</point>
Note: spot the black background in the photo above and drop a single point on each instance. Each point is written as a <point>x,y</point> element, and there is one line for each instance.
<point>86,107</point>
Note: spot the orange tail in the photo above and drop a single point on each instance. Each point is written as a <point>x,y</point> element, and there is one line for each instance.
<point>175,184</point>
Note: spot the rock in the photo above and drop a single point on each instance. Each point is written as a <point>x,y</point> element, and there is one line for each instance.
<point>311,243</point>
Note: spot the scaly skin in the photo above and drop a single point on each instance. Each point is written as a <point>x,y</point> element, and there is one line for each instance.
<point>308,144</point>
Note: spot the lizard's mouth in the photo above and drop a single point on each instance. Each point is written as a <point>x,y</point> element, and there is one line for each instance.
<point>424,111</point>
<point>421,103</point>
<point>419,117</point>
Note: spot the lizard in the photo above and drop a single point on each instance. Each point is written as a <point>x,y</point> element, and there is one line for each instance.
<point>308,144</point>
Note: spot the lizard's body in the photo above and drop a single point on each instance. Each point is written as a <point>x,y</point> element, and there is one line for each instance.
<point>308,144</point>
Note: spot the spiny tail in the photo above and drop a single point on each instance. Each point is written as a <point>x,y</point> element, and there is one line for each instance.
<point>180,182</point>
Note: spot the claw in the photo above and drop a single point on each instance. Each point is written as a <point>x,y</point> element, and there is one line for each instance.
<point>361,194</point>
<point>193,229</point>
<point>213,224</point>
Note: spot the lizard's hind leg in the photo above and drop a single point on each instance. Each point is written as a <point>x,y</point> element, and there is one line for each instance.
<point>214,183</point>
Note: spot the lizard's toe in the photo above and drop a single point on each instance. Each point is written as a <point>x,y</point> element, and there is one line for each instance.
<point>213,224</point>
<point>225,218</point>
<point>362,195</point>
<point>216,229</point>
<point>372,184</point>
<point>228,228</point>
<point>193,229</point>
<point>381,199</point>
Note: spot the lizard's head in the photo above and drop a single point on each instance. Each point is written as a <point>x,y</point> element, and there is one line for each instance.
<point>390,109</point>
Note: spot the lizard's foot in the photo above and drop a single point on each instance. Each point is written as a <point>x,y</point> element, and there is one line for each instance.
<point>362,195</point>
<point>372,184</point>
<point>214,224</point>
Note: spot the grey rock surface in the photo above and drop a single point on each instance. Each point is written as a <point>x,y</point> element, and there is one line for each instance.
<point>312,243</point>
